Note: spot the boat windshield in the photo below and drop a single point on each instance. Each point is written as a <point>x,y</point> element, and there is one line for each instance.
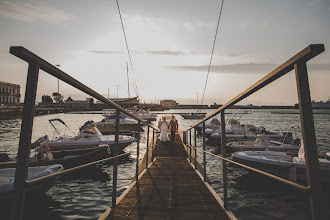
<point>90,130</point>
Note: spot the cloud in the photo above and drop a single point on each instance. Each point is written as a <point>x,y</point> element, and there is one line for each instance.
<point>32,12</point>
<point>166,52</point>
<point>104,51</point>
<point>321,67</point>
<point>264,25</point>
<point>245,68</point>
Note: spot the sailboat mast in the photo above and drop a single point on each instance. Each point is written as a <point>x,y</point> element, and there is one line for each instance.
<point>129,95</point>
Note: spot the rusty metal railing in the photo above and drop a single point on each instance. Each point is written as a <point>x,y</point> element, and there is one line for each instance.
<point>298,63</point>
<point>35,64</point>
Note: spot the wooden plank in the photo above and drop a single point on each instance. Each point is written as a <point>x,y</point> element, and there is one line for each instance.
<point>170,188</point>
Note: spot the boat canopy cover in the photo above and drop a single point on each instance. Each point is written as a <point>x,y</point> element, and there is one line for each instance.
<point>56,119</point>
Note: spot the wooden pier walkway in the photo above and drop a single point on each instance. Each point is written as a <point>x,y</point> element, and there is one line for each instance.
<point>170,189</point>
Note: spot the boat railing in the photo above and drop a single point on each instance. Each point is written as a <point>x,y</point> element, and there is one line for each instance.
<point>298,64</point>
<point>35,63</point>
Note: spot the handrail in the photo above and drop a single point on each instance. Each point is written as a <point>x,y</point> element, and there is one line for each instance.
<point>35,64</point>
<point>303,56</point>
<point>280,179</point>
<point>30,57</point>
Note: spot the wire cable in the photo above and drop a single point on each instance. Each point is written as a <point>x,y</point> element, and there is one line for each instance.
<point>121,20</point>
<point>215,38</point>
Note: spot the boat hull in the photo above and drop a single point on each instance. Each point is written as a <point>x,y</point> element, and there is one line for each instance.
<point>66,160</point>
<point>41,186</point>
<point>110,128</point>
<point>281,168</point>
<point>76,145</point>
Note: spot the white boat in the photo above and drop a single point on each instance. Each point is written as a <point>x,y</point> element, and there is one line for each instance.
<point>263,142</point>
<point>126,124</point>
<point>145,115</point>
<point>233,127</point>
<point>88,137</point>
<point>248,132</point>
<point>214,124</point>
<point>193,115</point>
<point>283,164</point>
<point>7,177</point>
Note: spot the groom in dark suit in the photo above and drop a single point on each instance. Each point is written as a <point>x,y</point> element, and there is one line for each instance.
<point>174,127</point>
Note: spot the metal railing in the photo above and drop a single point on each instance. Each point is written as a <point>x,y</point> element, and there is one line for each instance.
<point>298,63</point>
<point>35,64</point>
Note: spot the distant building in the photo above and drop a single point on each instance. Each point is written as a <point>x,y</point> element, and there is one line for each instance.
<point>10,94</point>
<point>77,105</point>
<point>168,103</point>
<point>321,104</point>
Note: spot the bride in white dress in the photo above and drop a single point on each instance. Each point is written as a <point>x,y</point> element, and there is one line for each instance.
<point>163,130</point>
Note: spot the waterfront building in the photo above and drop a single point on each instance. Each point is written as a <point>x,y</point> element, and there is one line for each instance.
<point>9,93</point>
<point>168,103</point>
<point>321,104</point>
<point>78,105</point>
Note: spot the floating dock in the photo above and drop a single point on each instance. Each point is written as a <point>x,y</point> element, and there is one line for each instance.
<point>171,188</point>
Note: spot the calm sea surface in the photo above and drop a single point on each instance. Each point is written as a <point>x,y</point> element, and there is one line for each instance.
<point>87,194</point>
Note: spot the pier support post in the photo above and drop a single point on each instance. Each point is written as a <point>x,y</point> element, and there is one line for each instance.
<point>224,163</point>
<point>308,134</point>
<point>147,152</point>
<point>204,154</point>
<point>190,145</point>
<point>115,162</point>
<point>137,152</point>
<point>195,137</point>
<point>23,154</point>
<point>153,144</point>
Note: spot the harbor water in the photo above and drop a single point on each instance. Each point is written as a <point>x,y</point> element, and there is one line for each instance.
<point>87,194</point>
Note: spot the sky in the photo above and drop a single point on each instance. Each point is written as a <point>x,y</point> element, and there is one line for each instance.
<point>170,44</point>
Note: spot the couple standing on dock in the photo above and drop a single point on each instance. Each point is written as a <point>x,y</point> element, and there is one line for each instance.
<point>163,125</point>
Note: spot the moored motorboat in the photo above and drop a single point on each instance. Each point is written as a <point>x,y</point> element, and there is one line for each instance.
<point>282,164</point>
<point>88,137</point>
<point>263,142</point>
<point>7,177</point>
<point>193,115</point>
<point>126,125</point>
<point>42,156</point>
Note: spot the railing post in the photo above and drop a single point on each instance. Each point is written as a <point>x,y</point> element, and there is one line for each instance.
<point>115,162</point>
<point>23,154</point>
<point>153,144</point>
<point>224,163</point>
<point>204,154</point>
<point>308,134</point>
<point>137,151</point>
<point>190,145</point>
<point>147,153</point>
<point>195,149</point>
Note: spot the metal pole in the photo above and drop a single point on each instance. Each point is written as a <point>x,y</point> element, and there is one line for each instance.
<point>204,154</point>
<point>224,163</point>
<point>190,146</point>
<point>308,134</point>
<point>147,153</point>
<point>23,154</point>
<point>195,149</point>
<point>115,162</point>
<point>153,144</point>
<point>137,151</point>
